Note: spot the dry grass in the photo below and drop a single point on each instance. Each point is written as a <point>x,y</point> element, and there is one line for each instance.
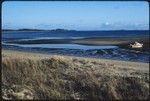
<point>57,77</point>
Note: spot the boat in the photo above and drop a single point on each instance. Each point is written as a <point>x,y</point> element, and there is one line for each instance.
<point>136,45</point>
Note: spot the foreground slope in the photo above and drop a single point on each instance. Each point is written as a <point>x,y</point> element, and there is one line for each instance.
<point>42,76</point>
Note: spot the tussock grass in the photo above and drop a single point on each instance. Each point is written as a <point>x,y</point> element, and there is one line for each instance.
<point>58,77</point>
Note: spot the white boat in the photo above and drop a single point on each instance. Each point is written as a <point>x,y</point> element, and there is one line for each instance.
<point>136,45</point>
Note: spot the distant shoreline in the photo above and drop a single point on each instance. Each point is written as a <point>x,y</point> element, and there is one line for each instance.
<point>57,30</point>
<point>121,42</point>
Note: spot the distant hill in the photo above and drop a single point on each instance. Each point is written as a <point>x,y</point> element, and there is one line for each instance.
<point>30,30</point>
<point>22,29</point>
<point>25,29</point>
<point>61,30</point>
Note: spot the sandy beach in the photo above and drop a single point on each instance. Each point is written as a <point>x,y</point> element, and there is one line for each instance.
<point>91,41</point>
<point>41,76</point>
<point>121,42</point>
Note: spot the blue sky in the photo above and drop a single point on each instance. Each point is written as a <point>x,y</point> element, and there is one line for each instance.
<point>78,15</point>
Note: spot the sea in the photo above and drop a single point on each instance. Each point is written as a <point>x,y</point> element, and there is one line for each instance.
<point>79,50</point>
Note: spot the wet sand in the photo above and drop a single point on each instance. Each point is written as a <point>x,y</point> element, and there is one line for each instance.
<point>121,42</point>
<point>91,41</point>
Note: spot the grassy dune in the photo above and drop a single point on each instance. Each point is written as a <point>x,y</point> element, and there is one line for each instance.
<point>38,76</point>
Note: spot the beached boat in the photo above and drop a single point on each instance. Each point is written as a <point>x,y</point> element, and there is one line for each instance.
<point>136,45</point>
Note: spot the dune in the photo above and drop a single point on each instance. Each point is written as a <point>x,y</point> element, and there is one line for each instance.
<point>41,76</point>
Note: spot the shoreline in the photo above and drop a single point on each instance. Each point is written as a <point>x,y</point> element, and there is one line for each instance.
<point>115,41</point>
<point>43,55</point>
<point>82,53</point>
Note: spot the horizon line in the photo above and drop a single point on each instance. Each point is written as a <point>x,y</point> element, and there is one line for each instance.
<point>68,29</point>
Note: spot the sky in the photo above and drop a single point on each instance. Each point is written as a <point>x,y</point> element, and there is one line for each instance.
<point>76,15</point>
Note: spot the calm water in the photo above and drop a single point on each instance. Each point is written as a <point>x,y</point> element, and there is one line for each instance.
<point>74,34</point>
<point>112,52</point>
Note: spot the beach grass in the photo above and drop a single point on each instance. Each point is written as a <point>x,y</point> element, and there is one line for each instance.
<point>40,76</point>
